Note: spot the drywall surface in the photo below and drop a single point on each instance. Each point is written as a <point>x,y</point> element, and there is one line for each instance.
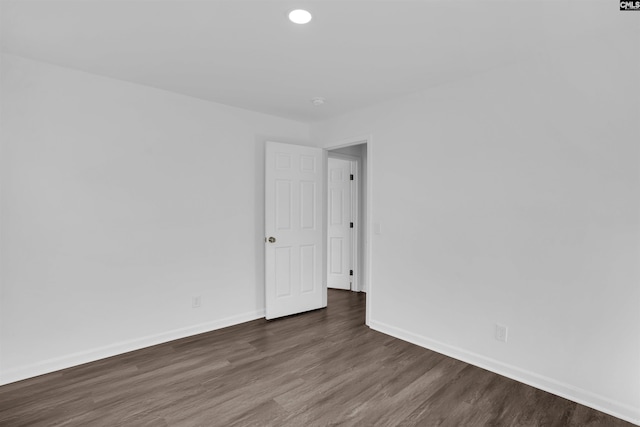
<point>512,198</point>
<point>120,203</point>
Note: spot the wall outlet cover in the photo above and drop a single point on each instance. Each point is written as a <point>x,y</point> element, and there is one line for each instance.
<point>196,302</point>
<point>501,333</point>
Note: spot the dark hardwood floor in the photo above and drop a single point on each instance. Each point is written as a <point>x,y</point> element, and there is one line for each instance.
<point>315,369</point>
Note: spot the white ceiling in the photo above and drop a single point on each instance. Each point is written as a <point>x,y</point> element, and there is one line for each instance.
<point>247,54</point>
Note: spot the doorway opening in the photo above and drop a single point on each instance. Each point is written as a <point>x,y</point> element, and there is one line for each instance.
<point>296,211</point>
<point>346,217</point>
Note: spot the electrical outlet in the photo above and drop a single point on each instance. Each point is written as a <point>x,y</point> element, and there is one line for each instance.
<point>501,333</point>
<point>196,302</point>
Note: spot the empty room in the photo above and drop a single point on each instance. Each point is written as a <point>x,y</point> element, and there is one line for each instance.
<point>312,213</point>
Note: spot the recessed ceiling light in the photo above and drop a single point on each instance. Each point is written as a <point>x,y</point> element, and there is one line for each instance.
<point>299,16</point>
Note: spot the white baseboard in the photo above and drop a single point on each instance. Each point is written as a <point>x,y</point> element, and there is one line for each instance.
<point>567,391</point>
<point>79,358</point>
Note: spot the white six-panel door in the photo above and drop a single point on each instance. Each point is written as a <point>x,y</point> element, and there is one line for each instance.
<point>339,231</point>
<point>294,218</point>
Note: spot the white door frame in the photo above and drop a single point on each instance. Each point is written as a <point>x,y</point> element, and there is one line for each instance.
<point>367,280</point>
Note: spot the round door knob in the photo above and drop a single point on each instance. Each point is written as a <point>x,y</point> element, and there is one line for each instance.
<point>272,239</point>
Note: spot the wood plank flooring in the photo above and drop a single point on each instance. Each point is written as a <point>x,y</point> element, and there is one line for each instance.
<point>315,369</point>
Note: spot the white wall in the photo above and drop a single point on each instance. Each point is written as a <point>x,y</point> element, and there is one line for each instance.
<point>119,204</point>
<point>513,197</point>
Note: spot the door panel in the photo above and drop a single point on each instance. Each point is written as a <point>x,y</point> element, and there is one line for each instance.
<point>283,205</point>
<point>307,268</point>
<point>339,230</point>
<point>336,205</point>
<point>294,217</point>
<point>308,205</point>
<point>283,271</point>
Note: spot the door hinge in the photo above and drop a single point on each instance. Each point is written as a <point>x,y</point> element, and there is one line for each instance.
<point>351,177</point>
<point>350,272</point>
<point>350,225</point>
